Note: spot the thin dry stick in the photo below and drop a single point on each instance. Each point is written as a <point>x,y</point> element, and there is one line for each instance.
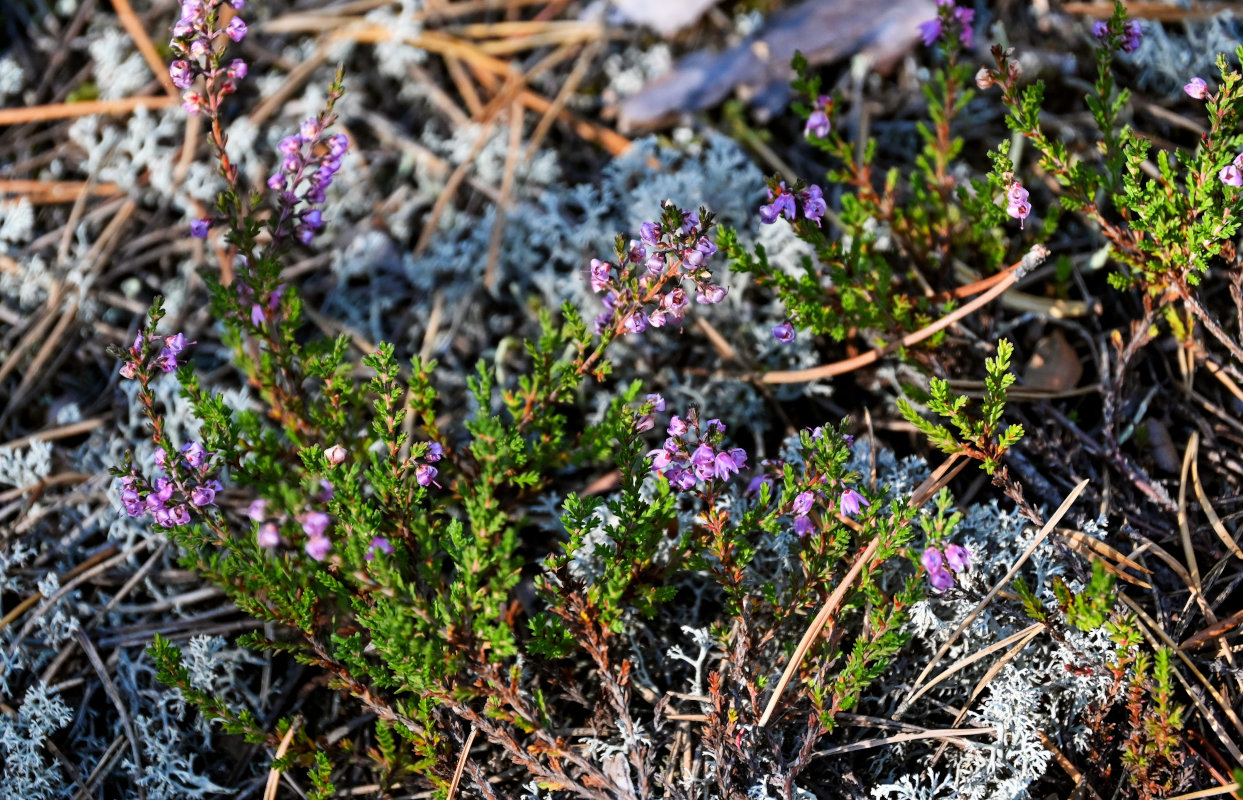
<point>51,434</point>
<point>461,763</point>
<point>1029,262</point>
<point>1212,632</point>
<point>125,105</point>
<point>1069,768</point>
<point>44,192</point>
<point>1213,520</point>
<point>1027,634</point>
<point>867,744</point>
<point>568,87</point>
<point>133,26</point>
<point>1215,792</point>
<point>507,188</point>
<point>110,689</point>
<point>22,607</point>
<point>817,625</point>
<point>274,774</point>
<point>975,612</point>
<point>1184,529</point>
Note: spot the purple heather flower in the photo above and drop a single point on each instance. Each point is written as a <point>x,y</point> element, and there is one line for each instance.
<point>257,317</point>
<point>677,426</point>
<point>757,482</point>
<point>930,31</point>
<point>818,123</point>
<point>1017,205</point>
<point>256,509</point>
<point>1231,175</point>
<point>191,102</point>
<point>336,454</point>
<point>237,69</point>
<point>636,252</point>
<point>662,459</point>
<point>1131,35</point>
<point>1238,161</point>
<point>814,206</point>
<point>675,301</point>
<point>1100,29</point>
<point>684,479</point>
<point>803,503</point>
<point>337,145</point>
<point>802,526</point>
<point>425,474</point>
<point>940,579</point>
<point>434,452</point>
<point>180,515</point>
<point>957,557</point>
<point>158,457</point>
<point>645,423</point>
<point>237,5</point>
<point>690,220</point>
<point>931,559</point>
<point>317,547</point>
<point>203,495</point>
<point>649,232</point>
<point>965,16</point>
<point>656,265</point>
<point>784,332</point>
<point>315,523</point>
<point>326,490</point>
<point>268,535</point>
<point>779,205</point>
<point>728,463</point>
<point>714,424</point>
<point>636,322</point>
<point>852,502</point>
<point>381,544</point>
<point>658,402</point>
<point>181,73</point>
<point>199,227</point>
<point>236,29</point>
<point>290,145</point>
<point>276,182</point>
<point>1196,88</point>
<point>194,454</point>
<point>703,461</point>
<point>309,130</point>
<point>711,294</point>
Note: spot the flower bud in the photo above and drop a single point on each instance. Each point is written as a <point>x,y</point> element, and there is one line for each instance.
<point>984,78</point>
<point>335,454</point>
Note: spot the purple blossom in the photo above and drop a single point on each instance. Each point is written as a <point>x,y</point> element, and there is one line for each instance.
<point>818,123</point>
<point>703,461</point>
<point>636,322</point>
<point>599,275</point>
<point>181,73</point>
<point>199,227</point>
<point>1231,175</point>
<point>677,426</point>
<point>257,509</point>
<point>317,547</point>
<point>425,474</point>
<point>378,543</point>
<point>965,17</point>
<point>1017,205</point>
<point>852,502</point>
<point>237,69</point>
<point>268,535</point>
<point>711,294</point>
<point>658,402</point>
<point>784,332</point>
<point>957,557</point>
<point>649,232</point>
<point>662,459</point>
<point>315,523</point>
<point>930,31</point>
<point>204,495</point>
<point>814,206</point>
<point>931,559</point>
<point>435,452</point>
<point>779,205</point>
<point>757,482</point>
<point>645,423</point>
<point>728,463</point>
<point>236,29</point>
<point>940,579</point>
<point>1131,35</point>
<point>803,503</point>
<point>194,454</point>
<point>257,317</point>
<point>1196,88</point>
<point>1100,29</point>
<point>802,526</point>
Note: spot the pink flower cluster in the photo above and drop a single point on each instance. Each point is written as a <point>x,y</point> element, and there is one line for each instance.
<point>261,311</point>
<point>650,272</point>
<point>299,164</point>
<point>956,558</point>
<point>685,461</point>
<point>1017,205</point>
<point>1232,173</point>
<point>781,203</point>
<point>1132,32</point>
<point>949,14</point>
<point>170,499</point>
<point>165,360</point>
<point>314,525</point>
<point>851,503</point>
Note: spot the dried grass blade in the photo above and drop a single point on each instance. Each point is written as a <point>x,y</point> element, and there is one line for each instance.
<point>274,774</point>
<point>1213,519</point>
<point>816,626</point>
<point>1026,635</point>
<point>125,105</point>
<point>461,763</point>
<point>1212,632</point>
<point>867,744</point>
